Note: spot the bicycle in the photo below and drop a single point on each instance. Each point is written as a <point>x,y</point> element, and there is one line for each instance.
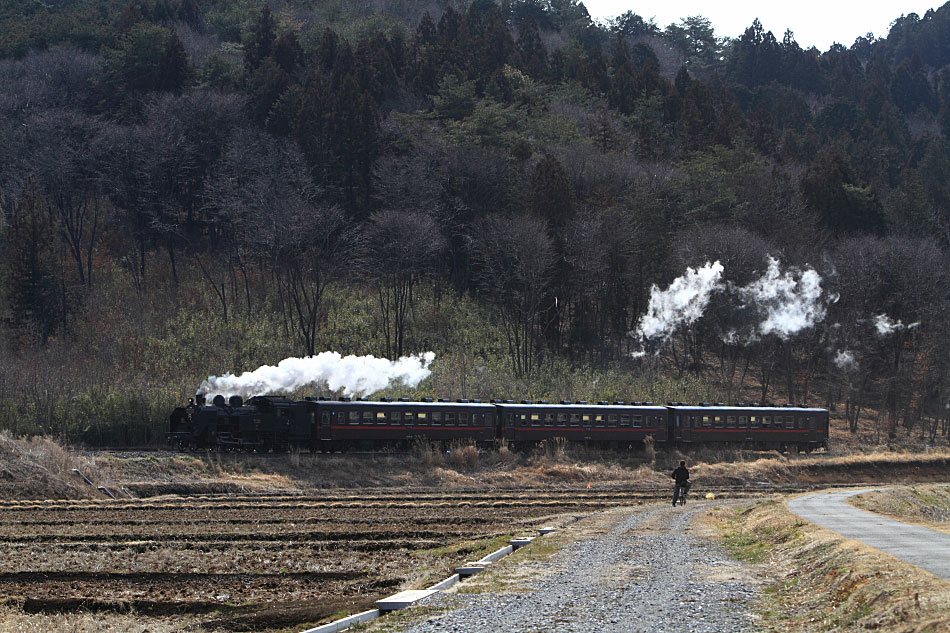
<point>679,493</point>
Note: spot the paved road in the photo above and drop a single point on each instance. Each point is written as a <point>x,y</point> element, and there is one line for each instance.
<point>920,546</point>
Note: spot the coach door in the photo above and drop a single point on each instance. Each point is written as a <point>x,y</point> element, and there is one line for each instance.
<point>326,433</point>
<point>681,427</point>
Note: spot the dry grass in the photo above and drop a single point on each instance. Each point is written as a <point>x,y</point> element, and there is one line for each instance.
<point>922,505</point>
<point>12,620</point>
<point>818,581</point>
<point>42,468</point>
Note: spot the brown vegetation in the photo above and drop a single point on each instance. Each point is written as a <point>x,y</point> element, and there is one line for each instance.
<point>927,505</point>
<point>817,580</point>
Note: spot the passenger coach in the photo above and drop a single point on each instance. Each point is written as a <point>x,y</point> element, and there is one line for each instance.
<point>617,424</point>
<point>367,424</point>
<point>766,427</point>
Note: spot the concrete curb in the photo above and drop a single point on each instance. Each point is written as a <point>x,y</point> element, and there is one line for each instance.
<point>347,622</point>
<point>405,599</point>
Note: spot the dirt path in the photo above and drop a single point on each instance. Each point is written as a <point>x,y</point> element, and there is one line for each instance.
<point>651,569</point>
<point>914,544</point>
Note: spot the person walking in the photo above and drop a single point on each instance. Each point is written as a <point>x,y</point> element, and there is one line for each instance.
<point>681,487</point>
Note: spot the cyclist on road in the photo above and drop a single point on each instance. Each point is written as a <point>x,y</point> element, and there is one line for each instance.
<point>681,475</point>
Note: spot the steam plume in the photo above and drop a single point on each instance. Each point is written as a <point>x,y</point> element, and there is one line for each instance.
<point>788,305</point>
<point>784,303</point>
<point>353,374</point>
<point>683,302</point>
<point>886,325</point>
<point>844,359</point>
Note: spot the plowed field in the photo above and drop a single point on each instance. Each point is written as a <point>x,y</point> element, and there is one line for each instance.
<point>254,563</point>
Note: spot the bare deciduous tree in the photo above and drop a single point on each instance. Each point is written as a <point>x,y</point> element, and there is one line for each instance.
<point>399,249</point>
<point>515,258</point>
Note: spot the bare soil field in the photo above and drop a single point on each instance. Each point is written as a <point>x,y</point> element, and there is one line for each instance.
<point>247,563</point>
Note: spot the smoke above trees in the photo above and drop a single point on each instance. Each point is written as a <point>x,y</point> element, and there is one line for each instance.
<point>777,303</point>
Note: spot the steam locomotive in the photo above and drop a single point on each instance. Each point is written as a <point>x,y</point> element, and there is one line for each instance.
<point>274,423</point>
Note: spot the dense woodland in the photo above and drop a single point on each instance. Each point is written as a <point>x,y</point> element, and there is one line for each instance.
<point>190,187</point>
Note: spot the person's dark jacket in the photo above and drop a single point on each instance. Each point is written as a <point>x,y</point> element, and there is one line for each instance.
<point>681,475</point>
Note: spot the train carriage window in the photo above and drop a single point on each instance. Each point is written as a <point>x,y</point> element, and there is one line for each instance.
<point>463,419</point>
<point>354,417</point>
<point>535,419</point>
<point>766,420</point>
<point>718,421</point>
<point>575,419</point>
<point>423,418</point>
<point>754,421</point>
<point>450,418</point>
<point>562,419</point>
<point>599,420</point>
<point>409,417</point>
<point>707,421</point>
<point>380,417</point>
<point>790,422</point>
<point>549,419</point>
<point>778,420</point>
<point>586,419</point>
<point>395,416</point>
<point>436,418</point>
<point>743,421</point>
<point>611,419</point>
<point>368,417</point>
<point>638,420</point>
<point>731,421</point>
<point>811,423</point>
<point>624,419</point>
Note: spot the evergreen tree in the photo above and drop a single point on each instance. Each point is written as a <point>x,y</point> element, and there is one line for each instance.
<point>534,59</point>
<point>843,206</point>
<point>551,196</point>
<point>288,54</point>
<point>173,68</point>
<point>261,42</point>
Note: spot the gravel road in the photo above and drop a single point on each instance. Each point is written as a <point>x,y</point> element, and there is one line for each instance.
<point>647,569</point>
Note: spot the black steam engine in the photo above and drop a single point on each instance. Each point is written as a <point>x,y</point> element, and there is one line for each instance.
<point>273,423</point>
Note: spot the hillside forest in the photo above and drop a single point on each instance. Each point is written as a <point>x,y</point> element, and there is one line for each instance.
<point>194,187</point>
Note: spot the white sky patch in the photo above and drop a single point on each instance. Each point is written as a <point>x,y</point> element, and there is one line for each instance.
<point>353,374</point>
<point>789,302</point>
<point>845,359</point>
<point>841,21</point>
<point>886,325</point>
<point>682,303</point>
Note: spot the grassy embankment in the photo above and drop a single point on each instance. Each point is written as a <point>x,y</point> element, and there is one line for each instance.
<point>44,469</point>
<point>816,580</point>
<point>927,505</point>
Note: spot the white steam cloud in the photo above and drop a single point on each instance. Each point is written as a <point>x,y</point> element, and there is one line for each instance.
<point>784,303</point>
<point>683,302</point>
<point>789,302</point>
<point>886,325</point>
<point>845,359</point>
<point>353,374</point>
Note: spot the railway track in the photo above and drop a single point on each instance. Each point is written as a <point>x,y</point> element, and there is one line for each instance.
<point>393,501</point>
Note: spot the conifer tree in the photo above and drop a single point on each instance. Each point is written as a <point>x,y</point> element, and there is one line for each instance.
<point>261,43</point>
<point>534,59</point>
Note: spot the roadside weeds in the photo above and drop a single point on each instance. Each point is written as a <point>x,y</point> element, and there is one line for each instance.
<point>815,580</point>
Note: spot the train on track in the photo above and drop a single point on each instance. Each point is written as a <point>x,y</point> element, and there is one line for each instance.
<point>275,424</point>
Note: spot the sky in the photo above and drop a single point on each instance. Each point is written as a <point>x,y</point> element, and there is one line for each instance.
<point>817,23</point>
